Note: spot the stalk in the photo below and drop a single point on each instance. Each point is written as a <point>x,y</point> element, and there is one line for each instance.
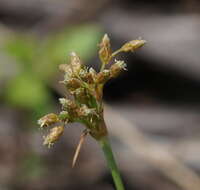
<point>105,145</point>
<point>86,107</point>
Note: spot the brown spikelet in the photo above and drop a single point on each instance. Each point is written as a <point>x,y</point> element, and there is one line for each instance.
<point>132,45</point>
<point>105,49</point>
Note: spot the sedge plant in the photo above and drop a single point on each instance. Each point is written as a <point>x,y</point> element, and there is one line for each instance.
<point>85,104</point>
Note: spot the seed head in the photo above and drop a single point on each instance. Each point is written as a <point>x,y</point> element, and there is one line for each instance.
<point>68,104</point>
<point>53,136</point>
<point>75,63</point>
<point>88,78</point>
<point>92,72</point>
<point>67,69</point>
<point>105,51</point>
<point>72,84</point>
<point>64,116</point>
<point>81,95</point>
<point>103,76</point>
<point>86,89</point>
<point>48,120</point>
<point>84,111</point>
<point>132,45</point>
<point>116,68</point>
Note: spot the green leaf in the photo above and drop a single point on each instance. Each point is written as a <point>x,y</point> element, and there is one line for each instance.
<point>81,39</point>
<point>27,92</point>
<point>22,48</point>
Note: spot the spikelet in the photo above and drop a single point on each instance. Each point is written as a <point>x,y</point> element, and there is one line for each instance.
<point>48,120</point>
<point>105,51</point>
<point>132,45</point>
<point>53,136</point>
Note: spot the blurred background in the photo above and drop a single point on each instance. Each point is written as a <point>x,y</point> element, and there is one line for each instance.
<point>152,111</point>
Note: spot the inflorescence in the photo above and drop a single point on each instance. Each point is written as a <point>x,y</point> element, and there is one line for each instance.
<point>85,86</point>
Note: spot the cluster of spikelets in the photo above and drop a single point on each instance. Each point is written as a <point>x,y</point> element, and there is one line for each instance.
<point>85,87</point>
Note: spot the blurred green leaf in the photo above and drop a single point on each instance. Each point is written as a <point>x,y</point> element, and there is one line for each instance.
<point>39,60</point>
<point>27,92</point>
<point>23,48</point>
<point>81,39</point>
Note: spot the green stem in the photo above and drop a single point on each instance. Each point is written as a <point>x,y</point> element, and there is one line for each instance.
<point>105,145</point>
<point>115,53</point>
<point>102,66</point>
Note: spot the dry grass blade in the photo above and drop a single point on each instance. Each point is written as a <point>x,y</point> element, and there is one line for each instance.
<point>81,141</point>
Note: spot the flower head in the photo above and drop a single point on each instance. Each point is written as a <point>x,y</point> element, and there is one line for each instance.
<point>48,120</point>
<point>117,68</point>
<point>105,51</point>
<point>53,136</point>
<point>132,45</point>
<point>86,88</point>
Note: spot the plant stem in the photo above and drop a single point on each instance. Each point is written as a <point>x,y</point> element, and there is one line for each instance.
<point>105,145</point>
